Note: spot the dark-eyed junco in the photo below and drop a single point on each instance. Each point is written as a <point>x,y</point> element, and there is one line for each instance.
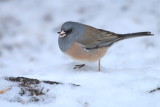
<point>86,43</point>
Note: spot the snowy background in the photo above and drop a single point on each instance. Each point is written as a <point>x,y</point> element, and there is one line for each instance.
<point>29,48</point>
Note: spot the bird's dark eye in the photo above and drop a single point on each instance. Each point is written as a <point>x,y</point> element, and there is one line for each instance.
<point>68,31</point>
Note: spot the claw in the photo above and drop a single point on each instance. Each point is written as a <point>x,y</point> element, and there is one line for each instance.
<point>79,66</point>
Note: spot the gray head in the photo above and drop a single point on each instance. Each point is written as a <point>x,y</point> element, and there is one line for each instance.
<point>70,32</point>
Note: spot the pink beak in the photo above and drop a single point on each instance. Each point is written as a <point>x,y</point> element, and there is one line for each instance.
<point>62,33</point>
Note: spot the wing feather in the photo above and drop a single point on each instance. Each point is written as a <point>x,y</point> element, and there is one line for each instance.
<point>97,38</point>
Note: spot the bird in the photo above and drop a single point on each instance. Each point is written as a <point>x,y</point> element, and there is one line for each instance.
<point>86,43</point>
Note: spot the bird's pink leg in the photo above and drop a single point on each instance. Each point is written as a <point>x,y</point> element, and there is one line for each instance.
<point>99,65</point>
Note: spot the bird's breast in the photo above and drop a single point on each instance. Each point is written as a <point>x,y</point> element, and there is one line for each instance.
<point>78,52</point>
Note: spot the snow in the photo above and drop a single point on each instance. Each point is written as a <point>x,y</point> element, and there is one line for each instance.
<point>130,69</point>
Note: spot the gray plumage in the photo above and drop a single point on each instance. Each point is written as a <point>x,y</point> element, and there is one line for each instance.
<point>76,30</point>
<point>90,37</point>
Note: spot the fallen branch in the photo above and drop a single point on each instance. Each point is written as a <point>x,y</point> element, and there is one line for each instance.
<point>154,90</point>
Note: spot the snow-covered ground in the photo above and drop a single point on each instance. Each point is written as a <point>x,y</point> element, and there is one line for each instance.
<point>29,48</point>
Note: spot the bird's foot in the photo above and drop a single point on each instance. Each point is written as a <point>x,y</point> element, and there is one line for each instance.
<point>79,66</point>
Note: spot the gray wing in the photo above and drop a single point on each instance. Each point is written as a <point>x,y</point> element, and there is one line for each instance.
<point>98,38</point>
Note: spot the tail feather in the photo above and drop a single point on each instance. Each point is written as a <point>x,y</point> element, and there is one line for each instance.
<point>130,35</point>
